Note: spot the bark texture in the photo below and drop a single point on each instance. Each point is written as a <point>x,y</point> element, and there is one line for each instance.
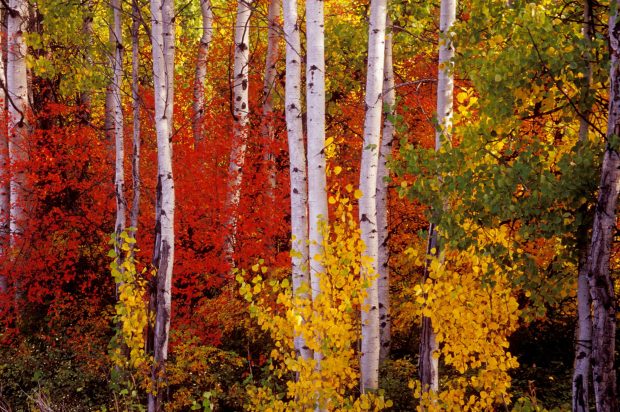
<point>201,70</point>
<point>371,343</point>
<point>297,161</point>
<point>162,12</point>
<point>135,107</point>
<point>5,201</point>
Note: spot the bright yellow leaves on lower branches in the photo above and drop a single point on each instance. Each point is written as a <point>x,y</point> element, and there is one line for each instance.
<point>330,326</point>
<point>470,302</point>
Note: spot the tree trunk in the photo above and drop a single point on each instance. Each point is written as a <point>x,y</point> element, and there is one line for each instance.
<point>240,120</point>
<point>429,373</point>
<point>116,61</point>
<point>201,70</point>
<point>583,344</point>
<point>162,12</point>
<point>18,127</point>
<point>599,277</point>
<point>389,101</point>
<point>269,83</point>
<point>85,97</point>
<point>297,163</point>
<point>371,343</point>
<point>5,202</point>
<point>135,104</point>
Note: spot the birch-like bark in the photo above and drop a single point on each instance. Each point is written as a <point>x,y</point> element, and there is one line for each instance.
<point>18,109</point>
<point>5,200</point>
<point>87,31</point>
<point>583,344</point>
<point>116,61</point>
<point>201,70</point>
<point>297,162</point>
<point>269,83</point>
<point>389,102</point>
<point>371,343</point>
<point>429,364</point>
<point>600,280</point>
<point>240,120</point>
<point>135,107</point>
<point>162,13</point>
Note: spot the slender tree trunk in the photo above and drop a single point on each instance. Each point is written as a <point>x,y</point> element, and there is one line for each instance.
<point>201,70</point>
<point>269,83</point>
<point>389,102</point>
<point>135,105</point>
<point>599,277</point>
<point>162,12</point>
<point>240,117</point>
<point>116,61</point>
<point>429,365</point>
<point>5,201</point>
<point>583,344</point>
<point>371,343</point>
<point>18,127</point>
<point>297,163</point>
<point>85,97</point>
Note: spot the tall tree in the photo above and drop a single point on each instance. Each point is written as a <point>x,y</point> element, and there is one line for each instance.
<point>241,110</point>
<point>269,83</point>
<point>5,201</point>
<point>297,162</point>
<point>583,344</point>
<point>371,343</point>
<point>389,104</point>
<point>201,69</point>
<point>116,62</point>
<point>600,280</point>
<point>18,110</point>
<point>163,39</point>
<point>429,365</point>
<point>135,105</point>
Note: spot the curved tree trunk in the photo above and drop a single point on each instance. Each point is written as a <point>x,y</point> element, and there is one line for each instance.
<point>240,120</point>
<point>371,343</point>
<point>163,39</point>
<point>201,70</point>
<point>389,101</point>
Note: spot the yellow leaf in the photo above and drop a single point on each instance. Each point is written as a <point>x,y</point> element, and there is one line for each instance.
<point>358,194</point>
<point>337,170</point>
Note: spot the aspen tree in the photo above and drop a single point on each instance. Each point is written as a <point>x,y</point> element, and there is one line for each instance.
<point>18,109</point>
<point>600,280</point>
<point>371,343</point>
<point>269,83</point>
<point>5,201</point>
<point>116,62</point>
<point>429,373</point>
<point>297,162</point>
<point>240,118</point>
<point>387,138</point>
<point>87,30</point>
<point>163,39</point>
<point>201,69</point>
<point>583,344</point>
<point>135,107</point>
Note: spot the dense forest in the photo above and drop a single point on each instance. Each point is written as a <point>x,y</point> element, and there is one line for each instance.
<point>283,205</point>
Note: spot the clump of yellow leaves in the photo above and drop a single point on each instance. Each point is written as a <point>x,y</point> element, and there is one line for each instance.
<point>329,326</point>
<point>131,315</point>
<point>470,302</point>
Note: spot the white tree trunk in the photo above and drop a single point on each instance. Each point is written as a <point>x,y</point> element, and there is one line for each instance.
<point>269,83</point>
<point>18,109</point>
<point>297,163</point>
<point>389,101</point>
<point>5,201</point>
<point>201,70</point>
<point>163,39</point>
<point>429,365</point>
<point>240,118</point>
<point>371,344</point>
<point>583,344</point>
<point>601,283</point>
<point>135,105</point>
<point>116,61</point>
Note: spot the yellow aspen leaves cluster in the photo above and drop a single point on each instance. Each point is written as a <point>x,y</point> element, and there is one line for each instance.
<point>131,318</point>
<point>471,303</point>
<point>329,325</point>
